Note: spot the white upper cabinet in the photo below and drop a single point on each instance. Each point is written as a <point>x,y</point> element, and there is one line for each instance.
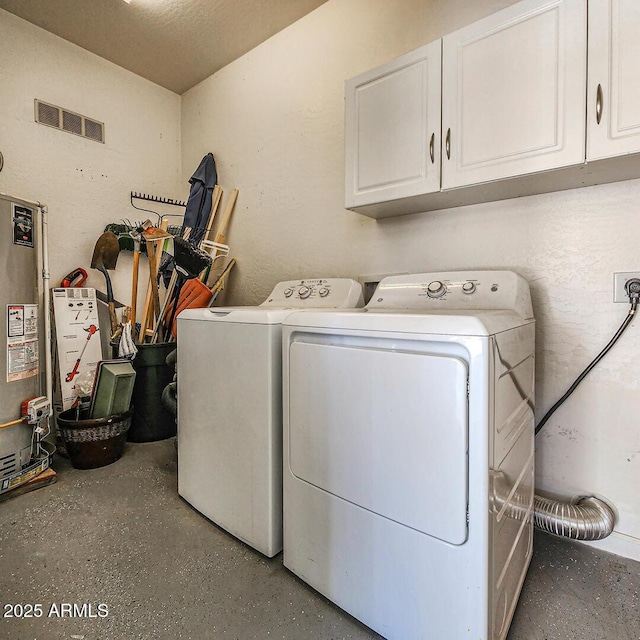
<point>524,101</point>
<point>613,99</point>
<point>392,129</point>
<point>514,87</point>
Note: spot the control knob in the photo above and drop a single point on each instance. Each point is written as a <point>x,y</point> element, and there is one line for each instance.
<point>436,289</point>
<point>468,287</point>
<point>288,292</point>
<point>304,292</point>
<point>324,292</point>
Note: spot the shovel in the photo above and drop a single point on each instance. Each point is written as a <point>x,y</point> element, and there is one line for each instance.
<point>105,256</point>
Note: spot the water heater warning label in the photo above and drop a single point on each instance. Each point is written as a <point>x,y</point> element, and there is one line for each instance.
<point>22,341</point>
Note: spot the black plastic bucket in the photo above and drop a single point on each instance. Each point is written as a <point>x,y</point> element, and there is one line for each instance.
<point>93,442</point>
<point>151,420</point>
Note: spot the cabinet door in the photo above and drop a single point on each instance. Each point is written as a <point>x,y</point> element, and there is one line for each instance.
<point>514,88</point>
<point>392,129</point>
<point>613,99</point>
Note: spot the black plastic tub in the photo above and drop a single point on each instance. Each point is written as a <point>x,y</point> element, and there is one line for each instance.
<point>93,442</point>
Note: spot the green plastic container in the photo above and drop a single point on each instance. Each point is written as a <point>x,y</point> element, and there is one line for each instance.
<point>151,420</point>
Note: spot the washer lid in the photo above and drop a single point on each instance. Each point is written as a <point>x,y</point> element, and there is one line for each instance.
<point>239,315</point>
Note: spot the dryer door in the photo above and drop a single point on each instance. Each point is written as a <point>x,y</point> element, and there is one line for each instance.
<point>384,430</point>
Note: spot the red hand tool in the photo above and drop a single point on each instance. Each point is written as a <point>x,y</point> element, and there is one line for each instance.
<point>70,277</point>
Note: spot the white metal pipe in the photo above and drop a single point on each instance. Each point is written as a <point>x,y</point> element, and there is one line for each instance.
<point>17,199</point>
<point>44,215</point>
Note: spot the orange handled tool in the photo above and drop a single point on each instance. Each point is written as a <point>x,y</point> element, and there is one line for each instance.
<point>70,280</point>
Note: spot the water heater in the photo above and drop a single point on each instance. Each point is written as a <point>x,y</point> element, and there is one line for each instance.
<point>22,366</point>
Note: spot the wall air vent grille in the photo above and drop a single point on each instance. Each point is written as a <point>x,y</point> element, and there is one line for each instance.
<point>72,123</point>
<point>68,121</point>
<point>47,114</point>
<point>94,130</point>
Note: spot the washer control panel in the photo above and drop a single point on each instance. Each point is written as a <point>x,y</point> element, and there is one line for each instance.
<point>438,289</point>
<point>454,290</point>
<point>334,293</point>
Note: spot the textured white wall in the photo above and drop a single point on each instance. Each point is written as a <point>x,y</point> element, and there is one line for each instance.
<point>85,184</point>
<point>274,120</point>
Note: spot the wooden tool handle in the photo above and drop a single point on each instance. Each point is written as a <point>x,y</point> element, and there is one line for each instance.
<point>113,318</point>
<point>134,287</point>
<point>219,283</point>
<point>215,204</point>
<point>147,303</point>
<point>160,325</point>
<point>153,278</point>
<point>226,217</point>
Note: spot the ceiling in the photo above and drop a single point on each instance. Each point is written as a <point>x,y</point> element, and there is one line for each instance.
<point>174,43</point>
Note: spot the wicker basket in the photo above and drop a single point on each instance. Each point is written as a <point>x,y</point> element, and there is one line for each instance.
<point>93,442</point>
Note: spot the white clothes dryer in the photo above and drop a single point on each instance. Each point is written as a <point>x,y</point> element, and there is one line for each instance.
<point>408,453</point>
<point>230,407</point>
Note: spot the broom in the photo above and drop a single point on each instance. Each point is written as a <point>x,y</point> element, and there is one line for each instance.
<point>190,262</point>
<point>196,295</point>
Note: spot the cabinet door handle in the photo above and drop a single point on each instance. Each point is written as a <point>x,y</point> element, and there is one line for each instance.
<point>447,143</point>
<point>431,147</point>
<point>599,103</point>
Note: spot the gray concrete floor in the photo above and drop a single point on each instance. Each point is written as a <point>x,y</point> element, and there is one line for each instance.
<point>121,536</point>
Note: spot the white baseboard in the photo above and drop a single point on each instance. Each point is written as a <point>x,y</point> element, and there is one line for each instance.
<point>620,544</point>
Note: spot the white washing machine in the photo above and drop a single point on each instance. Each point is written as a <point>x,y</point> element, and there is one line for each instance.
<point>230,407</point>
<point>408,454</point>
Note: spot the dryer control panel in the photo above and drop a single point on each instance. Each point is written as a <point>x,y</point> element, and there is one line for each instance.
<point>455,291</point>
<point>318,293</point>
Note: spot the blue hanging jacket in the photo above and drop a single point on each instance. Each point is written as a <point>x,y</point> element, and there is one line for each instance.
<point>198,207</point>
<point>196,213</point>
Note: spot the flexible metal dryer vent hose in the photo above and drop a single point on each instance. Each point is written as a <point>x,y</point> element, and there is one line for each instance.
<point>588,519</point>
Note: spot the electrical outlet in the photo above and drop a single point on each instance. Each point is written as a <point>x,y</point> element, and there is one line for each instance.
<point>619,280</point>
